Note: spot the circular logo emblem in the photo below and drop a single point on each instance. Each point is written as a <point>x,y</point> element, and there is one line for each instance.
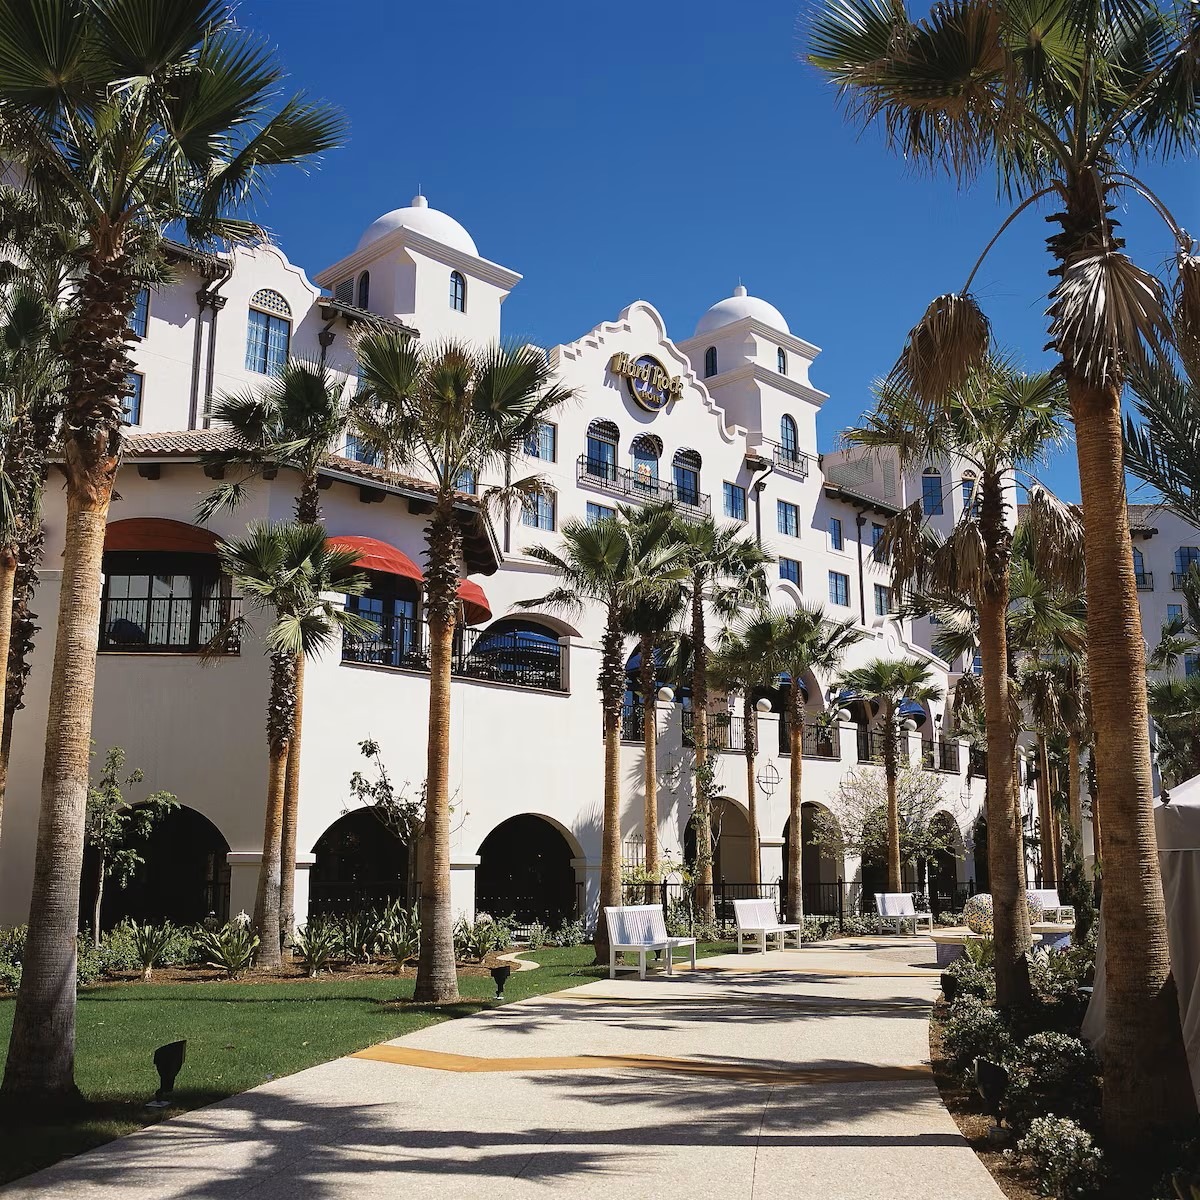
<point>649,384</point>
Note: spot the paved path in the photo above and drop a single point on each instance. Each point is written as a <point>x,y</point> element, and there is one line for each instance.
<point>792,1074</point>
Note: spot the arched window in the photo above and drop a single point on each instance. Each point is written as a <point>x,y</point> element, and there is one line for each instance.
<point>710,362</point>
<point>645,450</point>
<point>968,489</point>
<point>687,477</point>
<point>364,289</point>
<point>781,360</point>
<point>268,332</point>
<point>931,492</point>
<point>789,438</point>
<point>517,651</point>
<point>1186,557</point>
<point>458,292</point>
<point>602,440</point>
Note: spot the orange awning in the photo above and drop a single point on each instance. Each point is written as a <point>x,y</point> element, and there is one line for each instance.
<point>475,604</point>
<point>375,555</point>
<point>158,533</point>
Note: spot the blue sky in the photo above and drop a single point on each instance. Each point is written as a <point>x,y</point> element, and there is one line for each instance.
<point>658,152</point>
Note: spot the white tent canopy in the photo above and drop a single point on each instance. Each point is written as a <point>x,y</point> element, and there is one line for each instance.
<point>1177,825</point>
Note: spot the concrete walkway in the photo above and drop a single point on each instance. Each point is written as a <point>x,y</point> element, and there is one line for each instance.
<point>791,1074</point>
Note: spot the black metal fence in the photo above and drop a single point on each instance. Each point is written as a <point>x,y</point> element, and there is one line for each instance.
<point>510,657</point>
<point>817,741</point>
<point>937,754</point>
<point>871,744</point>
<point>339,899</point>
<point>167,624</point>
<point>640,485</point>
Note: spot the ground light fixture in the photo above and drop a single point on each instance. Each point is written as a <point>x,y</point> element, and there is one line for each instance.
<point>500,975</point>
<point>991,1082</point>
<point>949,986</point>
<point>168,1062</point>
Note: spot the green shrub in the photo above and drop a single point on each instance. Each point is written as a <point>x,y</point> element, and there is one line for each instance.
<point>477,939</point>
<point>10,976</point>
<point>230,949</point>
<point>1061,973</point>
<point>149,944</point>
<point>974,1030</point>
<point>948,920</point>
<point>973,979</point>
<point>570,933</point>
<point>537,936</point>
<point>318,944</point>
<point>89,961</point>
<point>119,949</point>
<point>1065,1159</point>
<point>361,934</point>
<point>12,949</point>
<point>1052,1073</point>
<point>402,933</point>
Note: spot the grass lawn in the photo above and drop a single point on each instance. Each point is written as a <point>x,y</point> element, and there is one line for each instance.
<point>240,1035</point>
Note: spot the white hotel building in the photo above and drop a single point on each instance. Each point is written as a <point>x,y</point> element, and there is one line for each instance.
<point>737,437</point>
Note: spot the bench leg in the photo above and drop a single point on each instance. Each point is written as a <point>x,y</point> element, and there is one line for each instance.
<point>692,948</point>
<point>612,962</point>
<point>740,941</point>
<point>641,964</point>
<point>670,960</point>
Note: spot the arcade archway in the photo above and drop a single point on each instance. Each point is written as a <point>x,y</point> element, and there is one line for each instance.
<point>525,872</point>
<point>360,864</point>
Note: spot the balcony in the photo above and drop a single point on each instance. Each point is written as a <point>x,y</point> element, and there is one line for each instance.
<point>871,745</point>
<point>1178,579</point>
<point>939,755</point>
<point>789,461</point>
<point>1145,581</point>
<point>640,487</point>
<point>509,658</point>
<point>167,624</point>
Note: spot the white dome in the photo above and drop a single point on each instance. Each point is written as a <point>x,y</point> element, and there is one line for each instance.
<point>737,306</point>
<point>433,223</point>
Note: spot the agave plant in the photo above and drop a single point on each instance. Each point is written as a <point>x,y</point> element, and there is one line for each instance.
<point>359,935</point>
<point>150,942</point>
<point>318,944</point>
<point>231,949</point>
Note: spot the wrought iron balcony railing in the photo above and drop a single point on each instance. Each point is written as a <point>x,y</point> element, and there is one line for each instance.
<point>168,624</point>
<point>640,486</point>
<point>790,461</point>
<point>1145,581</point>
<point>939,755</point>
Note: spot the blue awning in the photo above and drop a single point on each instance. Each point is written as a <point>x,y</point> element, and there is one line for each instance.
<point>785,680</point>
<point>911,709</point>
<point>847,697</point>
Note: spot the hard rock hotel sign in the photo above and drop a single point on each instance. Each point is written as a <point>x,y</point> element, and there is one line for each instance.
<point>649,384</point>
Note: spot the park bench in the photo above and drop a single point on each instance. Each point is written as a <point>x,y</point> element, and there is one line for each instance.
<point>898,909</point>
<point>640,929</point>
<point>757,920</point>
<point>1052,908</point>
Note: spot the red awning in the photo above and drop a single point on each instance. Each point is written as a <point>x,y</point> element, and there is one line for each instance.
<point>158,533</point>
<point>475,604</point>
<point>375,555</point>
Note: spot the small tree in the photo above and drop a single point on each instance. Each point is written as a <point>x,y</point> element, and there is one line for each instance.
<point>117,829</point>
<point>391,804</point>
<point>858,824</point>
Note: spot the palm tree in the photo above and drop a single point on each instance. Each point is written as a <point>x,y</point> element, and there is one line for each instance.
<point>297,419</point>
<point>726,573</point>
<point>1162,444</point>
<point>1061,101</point>
<point>893,683</point>
<point>615,564</point>
<point>444,413</point>
<point>288,571</point>
<point>793,642</point>
<point>999,423</point>
<point>143,118</point>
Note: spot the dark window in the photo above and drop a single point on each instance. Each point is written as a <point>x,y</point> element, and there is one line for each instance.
<point>839,589</point>
<point>931,494</point>
<point>789,438</point>
<point>789,518</point>
<point>133,401</point>
<point>267,342</point>
<point>140,317</point>
<point>883,600</point>
<point>602,438</point>
<point>735,501</point>
<point>599,512</point>
<point>542,442</point>
<point>781,360</point>
<point>391,604</point>
<point>537,511</point>
<point>1174,612</point>
<point>835,533</point>
<point>1185,556</point>
<point>1191,664</point>
<point>710,362</point>
<point>968,491</point>
<point>467,481</point>
<point>364,289</point>
<point>687,477</point>
<point>458,292</point>
<point>789,569</point>
<point>358,450</point>
<point>877,536</point>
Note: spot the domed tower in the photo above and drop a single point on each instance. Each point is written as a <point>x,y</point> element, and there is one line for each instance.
<point>757,370</point>
<point>420,265</point>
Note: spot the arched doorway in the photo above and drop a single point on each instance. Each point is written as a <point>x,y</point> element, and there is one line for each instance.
<point>360,864</point>
<point>820,867</point>
<point>184,876</point>
<point>983,878</point>
<point>525,872</point>
<point>944,888</point>
<point>730,834</point>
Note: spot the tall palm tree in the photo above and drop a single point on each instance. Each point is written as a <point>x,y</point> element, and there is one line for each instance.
<point>792,642</point>
<point>1061,101</point>
<point>999,423</point>
<point>296,420</point>
<point>287,571</point>
<point>1162,443</point>
<point>144,117</point>
<point>443,413</point>
<point>893,683</point>
<point>726,575</point>
<point>615,564</point>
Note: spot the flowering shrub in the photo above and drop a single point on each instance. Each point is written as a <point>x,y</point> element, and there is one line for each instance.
<point>974,979</point>
<point>974,1029</point>
<point>1052,1073</point>
<point>1064,1157</point>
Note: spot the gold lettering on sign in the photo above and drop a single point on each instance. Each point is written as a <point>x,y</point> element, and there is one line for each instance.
<point>647,372</point>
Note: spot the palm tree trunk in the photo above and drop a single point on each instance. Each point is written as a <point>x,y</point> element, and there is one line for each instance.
<point>702,775</point>
<point>646,682</point>
<point>1074,785</point>
<point>266,900</point>
<point>795,879</point>
<point>750,740</point>
<point>291,810</point>
<point>1045,816</point>
<point>437,975</point>
<point>891,755</point>
<point>611,693</point>
<point>41,1057</point>
<point>8,579</point>
<point>1145,1074</point>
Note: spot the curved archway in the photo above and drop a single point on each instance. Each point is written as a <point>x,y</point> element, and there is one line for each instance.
<point>730,833</point>
<point>360,864</point>
<point>820,866</point>
<point>983,877</point>
<point>525,872</point>
<point>944,886</point>
<point>184,876</point>
<point>517,650</point>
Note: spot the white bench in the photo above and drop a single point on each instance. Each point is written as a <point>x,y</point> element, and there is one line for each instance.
<point>897,909</point>
<point>640,929</point>
<point>757,920</point>
<point>1053,909</point>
